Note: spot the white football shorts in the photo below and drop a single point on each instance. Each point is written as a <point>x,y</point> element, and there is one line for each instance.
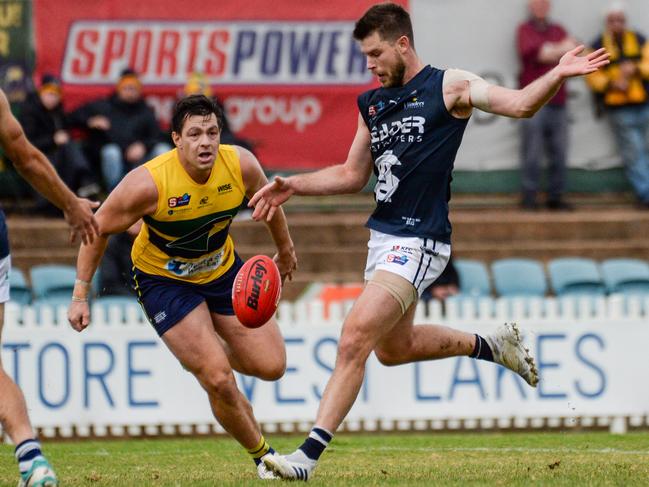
<point>5,268</point>
<point>418,260</point>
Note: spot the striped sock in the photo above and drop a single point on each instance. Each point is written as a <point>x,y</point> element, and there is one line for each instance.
<point>260,450</point>
<point>26,452</point>
<point>482,350</point>
<point>316,443</point>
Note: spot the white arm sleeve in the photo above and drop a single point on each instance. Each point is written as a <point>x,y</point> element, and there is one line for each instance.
<point>478,87</point>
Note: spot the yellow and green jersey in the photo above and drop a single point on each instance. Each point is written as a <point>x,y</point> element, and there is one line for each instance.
<point>187,237</point>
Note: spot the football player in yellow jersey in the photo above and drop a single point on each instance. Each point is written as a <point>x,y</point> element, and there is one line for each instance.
<point>185,263</point>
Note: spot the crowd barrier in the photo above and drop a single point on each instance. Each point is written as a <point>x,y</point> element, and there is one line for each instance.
<point>118,379</point>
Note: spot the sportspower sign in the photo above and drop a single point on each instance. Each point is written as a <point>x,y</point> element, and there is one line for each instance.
<point>287,73</point>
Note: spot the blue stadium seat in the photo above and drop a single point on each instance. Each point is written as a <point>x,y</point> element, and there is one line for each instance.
<point>104,303</point>
<point>53,281</point>
<point>572,276</point>
<point>519,277</point>
<point>19,290</point>
<point>627,276</point>
<point>473,276</point>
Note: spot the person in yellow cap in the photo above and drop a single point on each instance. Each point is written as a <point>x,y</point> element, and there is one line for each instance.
<point>198,84</point>
<point>123,129</point>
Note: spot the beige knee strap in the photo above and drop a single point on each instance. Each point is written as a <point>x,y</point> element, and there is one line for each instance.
<point>400,288</point>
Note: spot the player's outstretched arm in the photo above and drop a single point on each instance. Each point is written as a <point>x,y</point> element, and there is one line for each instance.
<point>37,170</point>
<point>134,197</point>
<point>525,102</point>
<point>254,179</point>
<point>349,177</point>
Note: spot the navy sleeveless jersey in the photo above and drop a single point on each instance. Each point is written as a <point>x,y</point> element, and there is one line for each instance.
<point>414,143</point>
<point>4,237</point>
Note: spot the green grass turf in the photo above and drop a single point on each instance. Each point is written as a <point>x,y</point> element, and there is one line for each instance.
<point>520,459</point>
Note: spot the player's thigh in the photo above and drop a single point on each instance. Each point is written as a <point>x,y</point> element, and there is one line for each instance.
<point>255,350</point>
<point>374,313</point>
<point>399,336</point>
<point>195,344</point>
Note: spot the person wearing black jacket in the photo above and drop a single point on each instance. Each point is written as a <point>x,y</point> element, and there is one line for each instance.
<point>122,128</point>
<point>44,123</point>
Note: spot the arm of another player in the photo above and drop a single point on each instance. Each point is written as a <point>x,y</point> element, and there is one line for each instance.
<point>349,177</point>
<point>134,197</point>
<point>525,102</point>
<point>254,179</point>
<point>37,170</point>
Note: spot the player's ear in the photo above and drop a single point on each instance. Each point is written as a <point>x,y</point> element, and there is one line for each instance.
<point>403,44</point>
<point>175,136</point>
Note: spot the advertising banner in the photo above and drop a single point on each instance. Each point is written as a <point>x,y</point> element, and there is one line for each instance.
<point>124,375</point>
<point>15,49</point>
<point>288,72</point>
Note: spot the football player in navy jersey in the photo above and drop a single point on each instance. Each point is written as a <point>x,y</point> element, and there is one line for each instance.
<point>409,131</point>
<point>37,170</point>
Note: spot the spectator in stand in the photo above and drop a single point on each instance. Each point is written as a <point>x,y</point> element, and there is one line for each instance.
<point>45,125</point>
<point>622,88</point>
<point>115,267</point>
<point>541,44</point>
<point>197,84</point>
<point>123,127</point>
<point>446,285</point>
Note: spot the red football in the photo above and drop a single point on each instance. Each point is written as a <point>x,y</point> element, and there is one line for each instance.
<point>256,290</point>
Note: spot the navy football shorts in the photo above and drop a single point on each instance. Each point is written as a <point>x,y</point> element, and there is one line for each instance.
<point>167,301</point>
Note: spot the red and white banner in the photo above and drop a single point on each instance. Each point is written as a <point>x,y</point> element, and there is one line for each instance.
<point>287,71</point>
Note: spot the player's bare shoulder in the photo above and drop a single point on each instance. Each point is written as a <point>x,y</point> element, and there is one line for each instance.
<point>456,88</point>
<point>251,172</point>
<point>137,191</point>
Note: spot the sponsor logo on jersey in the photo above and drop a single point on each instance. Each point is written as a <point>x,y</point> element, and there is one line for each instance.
<point>410,129</point>
<point>177,201</point>
<point>397,259</point>
<point>204,200</point>
<point>189,268</point>
<point>225,188</point>
<point>414,103</point>
<point>317,52</point>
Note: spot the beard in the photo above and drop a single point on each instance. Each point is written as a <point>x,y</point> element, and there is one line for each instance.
<point>395,78</point>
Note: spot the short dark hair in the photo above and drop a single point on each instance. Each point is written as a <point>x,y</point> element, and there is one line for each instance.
<point>390,20</point>
<point>194,105</point>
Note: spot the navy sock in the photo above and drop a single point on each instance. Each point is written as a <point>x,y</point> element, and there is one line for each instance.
<point>26,452</point>
<point>482,350</point>
<point>316,443</point>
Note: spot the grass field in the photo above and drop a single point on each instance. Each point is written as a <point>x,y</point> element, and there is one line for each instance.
<point>521,459</point>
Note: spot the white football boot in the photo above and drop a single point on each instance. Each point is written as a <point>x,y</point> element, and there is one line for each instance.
<point>264,473</point>
<point>40,475</point>
<point>508,350</point>
<point>296,466</point>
